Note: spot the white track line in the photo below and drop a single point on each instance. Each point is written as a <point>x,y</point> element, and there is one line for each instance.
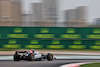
<point>6,57</point>
<point>58,57</point>
<point>76,57</point>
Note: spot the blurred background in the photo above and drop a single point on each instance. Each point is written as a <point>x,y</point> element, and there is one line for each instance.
<point>50,13</point>
<point>50,24</point>
<point>70,28</point>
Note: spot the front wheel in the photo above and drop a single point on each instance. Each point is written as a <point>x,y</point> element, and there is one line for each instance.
<point>49,57</point>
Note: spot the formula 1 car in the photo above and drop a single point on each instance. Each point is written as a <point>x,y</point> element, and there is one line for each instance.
<point>31,56</point>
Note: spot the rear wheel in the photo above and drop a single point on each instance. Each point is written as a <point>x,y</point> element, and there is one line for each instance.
<point>49,57</point>
<point>16,57</point>
<point>31,57</point>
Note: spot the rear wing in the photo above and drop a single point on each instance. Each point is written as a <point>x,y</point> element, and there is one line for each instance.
<point>20,51</point>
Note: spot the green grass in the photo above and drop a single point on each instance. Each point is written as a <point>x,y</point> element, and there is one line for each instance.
<point>91,65</point>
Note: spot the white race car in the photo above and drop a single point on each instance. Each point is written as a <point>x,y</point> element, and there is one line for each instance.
<point>32,56</point>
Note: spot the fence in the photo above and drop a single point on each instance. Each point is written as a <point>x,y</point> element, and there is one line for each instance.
<point>50,37</point>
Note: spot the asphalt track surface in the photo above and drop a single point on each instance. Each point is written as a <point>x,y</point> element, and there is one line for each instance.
<point>54,63</point>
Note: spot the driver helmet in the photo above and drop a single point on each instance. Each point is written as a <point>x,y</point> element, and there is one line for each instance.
<point>33,51</point>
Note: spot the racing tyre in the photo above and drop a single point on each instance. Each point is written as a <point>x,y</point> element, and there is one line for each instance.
<point>31,57</point>
<point>16,57</point>
<point>49,57</point>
